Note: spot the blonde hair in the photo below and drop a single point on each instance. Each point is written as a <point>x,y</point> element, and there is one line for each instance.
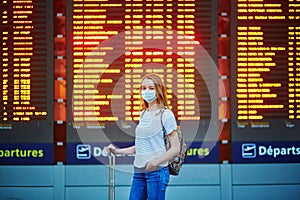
<point>160,89</point>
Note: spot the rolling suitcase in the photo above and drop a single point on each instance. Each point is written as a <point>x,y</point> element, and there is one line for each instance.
<point>111,176</point>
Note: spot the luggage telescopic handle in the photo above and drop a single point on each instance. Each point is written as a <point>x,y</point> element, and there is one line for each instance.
<point>111,176</point>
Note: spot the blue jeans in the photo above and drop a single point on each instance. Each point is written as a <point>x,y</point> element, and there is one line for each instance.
<point>149,185</point>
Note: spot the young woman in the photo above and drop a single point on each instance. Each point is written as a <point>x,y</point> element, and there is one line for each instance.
<point>151,174</point>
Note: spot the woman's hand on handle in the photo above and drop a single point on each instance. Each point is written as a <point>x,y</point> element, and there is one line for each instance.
<point>111,149</point>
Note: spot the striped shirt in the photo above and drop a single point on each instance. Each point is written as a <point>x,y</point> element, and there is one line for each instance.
<point>149,141</point>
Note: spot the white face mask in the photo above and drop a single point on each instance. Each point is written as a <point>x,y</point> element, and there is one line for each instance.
<point>149,95</point>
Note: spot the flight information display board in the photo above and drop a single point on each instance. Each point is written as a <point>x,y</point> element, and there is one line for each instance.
<point>114,44</point>
<point>265,65</point>
<point>26,71</point>
<point>266,61</point>
<point>265,89</point>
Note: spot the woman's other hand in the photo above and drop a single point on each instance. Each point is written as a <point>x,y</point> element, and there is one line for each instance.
<point>151,166</point>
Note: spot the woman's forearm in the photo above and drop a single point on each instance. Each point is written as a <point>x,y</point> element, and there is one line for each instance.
<point>172,152</point>
<point>126,151</point>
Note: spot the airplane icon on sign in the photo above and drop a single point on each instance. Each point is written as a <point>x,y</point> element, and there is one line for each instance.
<point>249,150</point>
<point>83,151</point>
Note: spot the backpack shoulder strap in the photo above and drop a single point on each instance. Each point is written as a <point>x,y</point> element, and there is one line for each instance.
<point>162,112</point>
<point>143,112</point>
<point>165,136</point>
